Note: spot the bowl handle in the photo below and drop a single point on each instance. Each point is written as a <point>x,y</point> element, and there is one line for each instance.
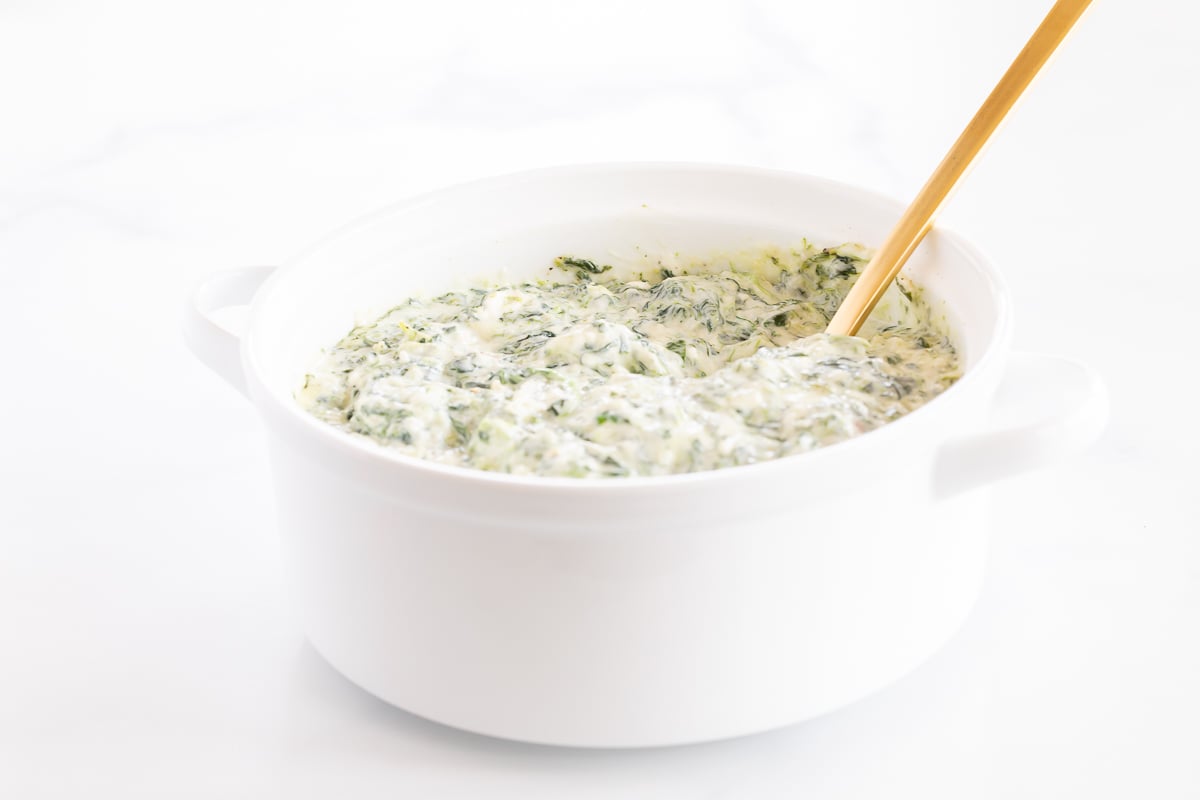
<point>217,347</point>
<point>1046,408</point>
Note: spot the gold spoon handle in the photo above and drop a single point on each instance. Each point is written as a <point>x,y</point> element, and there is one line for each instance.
<point>918,218</point>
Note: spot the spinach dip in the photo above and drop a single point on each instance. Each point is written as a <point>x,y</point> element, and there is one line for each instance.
<point>677,368</point>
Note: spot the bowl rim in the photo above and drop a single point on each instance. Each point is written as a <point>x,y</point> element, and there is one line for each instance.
<point>362,450</point>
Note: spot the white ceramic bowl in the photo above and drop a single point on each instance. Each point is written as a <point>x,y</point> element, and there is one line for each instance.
<point>634,611</point>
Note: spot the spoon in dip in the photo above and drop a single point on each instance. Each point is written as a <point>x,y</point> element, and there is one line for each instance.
<point>918,217</point>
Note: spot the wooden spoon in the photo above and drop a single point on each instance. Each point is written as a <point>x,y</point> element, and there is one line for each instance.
<point>918,218</point>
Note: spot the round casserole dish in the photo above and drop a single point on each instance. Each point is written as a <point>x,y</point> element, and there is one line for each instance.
<point>633,611</point>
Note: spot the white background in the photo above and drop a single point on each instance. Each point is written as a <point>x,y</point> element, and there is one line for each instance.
<point>146,646</point>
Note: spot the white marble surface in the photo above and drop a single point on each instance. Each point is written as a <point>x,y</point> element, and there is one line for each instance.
<point>146,648</point>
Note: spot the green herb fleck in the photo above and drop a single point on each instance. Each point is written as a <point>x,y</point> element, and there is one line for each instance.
<point>584,266</point>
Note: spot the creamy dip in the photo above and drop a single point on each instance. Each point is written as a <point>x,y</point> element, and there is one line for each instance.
<point>677,369</point>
